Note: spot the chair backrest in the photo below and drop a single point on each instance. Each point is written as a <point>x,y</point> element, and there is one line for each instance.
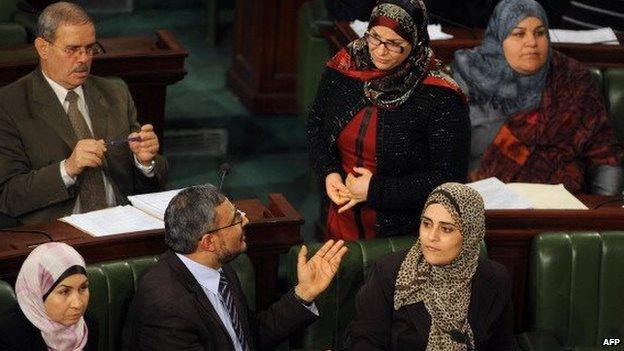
<point>576,286</point>
<point>112,286</point>
<point>337,304</point>
<point>614,92</point>
<point>7,10</point>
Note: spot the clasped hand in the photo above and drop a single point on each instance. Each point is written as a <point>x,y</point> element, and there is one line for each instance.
<point>90,152</point>
<point>315,274</point>
<point>350,192</point>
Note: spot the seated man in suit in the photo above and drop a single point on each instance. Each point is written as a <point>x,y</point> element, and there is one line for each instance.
<point>70,142</point>
<point>192,299</point>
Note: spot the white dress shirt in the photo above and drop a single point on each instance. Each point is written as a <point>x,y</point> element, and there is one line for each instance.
<point>61,93</point>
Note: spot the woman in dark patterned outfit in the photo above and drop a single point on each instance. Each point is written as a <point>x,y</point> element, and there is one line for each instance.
<point>440,295</point>
<point>537,116</point>
<point>386,127</point>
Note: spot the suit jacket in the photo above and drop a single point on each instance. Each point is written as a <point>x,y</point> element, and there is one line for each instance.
<point>170,311</point>
<point>35,135</point>
<point>18,333</point>
<point>377,326</point>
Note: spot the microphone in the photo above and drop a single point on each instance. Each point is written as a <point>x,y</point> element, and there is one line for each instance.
<point>224,169</point>
<point>454,24</point>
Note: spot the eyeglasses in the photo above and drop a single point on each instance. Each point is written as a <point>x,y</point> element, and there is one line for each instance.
<point>75,51</point>
<point>373,41</point>
<point>239,217</point>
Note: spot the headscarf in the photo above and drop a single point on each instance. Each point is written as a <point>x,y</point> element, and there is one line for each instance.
<point>45,267</point>
<point>445,290</point>
<point>389,89</point>
<point>484,71</point>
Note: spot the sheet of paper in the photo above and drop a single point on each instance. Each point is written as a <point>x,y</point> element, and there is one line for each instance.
<point>497,196</point>
<point>435,30</point>
<point>154,204</point>
<point>592,36</point>
<point>114,220</point>
<point>547,196</point>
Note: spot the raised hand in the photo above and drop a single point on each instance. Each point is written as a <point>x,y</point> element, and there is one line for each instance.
<point>315,274</point>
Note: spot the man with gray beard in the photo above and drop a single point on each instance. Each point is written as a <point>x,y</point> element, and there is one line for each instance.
<point>70,142</point>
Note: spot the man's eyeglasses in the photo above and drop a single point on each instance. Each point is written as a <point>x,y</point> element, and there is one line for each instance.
<point>75,51</point>
<point>239,217</point>
<point>373,41</point>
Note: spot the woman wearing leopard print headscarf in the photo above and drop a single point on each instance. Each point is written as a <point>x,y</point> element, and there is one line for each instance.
<point>440,295</point>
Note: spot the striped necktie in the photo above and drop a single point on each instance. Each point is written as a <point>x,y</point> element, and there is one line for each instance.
<point>228,300</point>
<point>90,182</point>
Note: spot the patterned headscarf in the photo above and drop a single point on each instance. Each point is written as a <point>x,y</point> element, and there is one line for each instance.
<point>45,267</point>
<point>484,71</point>
<point>408,18</point>
<point>445,290</point>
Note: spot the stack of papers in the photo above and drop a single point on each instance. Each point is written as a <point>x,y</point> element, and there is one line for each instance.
<point>146,213</point>
<point>435,30</point>
<point>500,196</point>
<point>593,36</point>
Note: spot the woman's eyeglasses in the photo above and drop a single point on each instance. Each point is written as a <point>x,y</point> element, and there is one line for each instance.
<point>239,217</point>
<point>373,41</point>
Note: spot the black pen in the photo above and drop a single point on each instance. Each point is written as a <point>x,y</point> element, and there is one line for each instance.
<point>122,141</point>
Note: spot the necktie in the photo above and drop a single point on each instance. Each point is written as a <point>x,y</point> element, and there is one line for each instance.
<point>226,296</point>
<point>90,183</point>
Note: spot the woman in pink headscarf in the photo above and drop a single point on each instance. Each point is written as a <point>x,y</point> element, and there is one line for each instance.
<point>52,291</point>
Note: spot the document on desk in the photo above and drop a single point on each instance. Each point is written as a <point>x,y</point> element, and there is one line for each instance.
<point>114,220</point>
<point>154,204</point>
<point>592,36</point>
<point>497,196</point>
<point>547,196</point>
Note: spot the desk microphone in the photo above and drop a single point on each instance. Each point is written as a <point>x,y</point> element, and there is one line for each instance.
<point>224,169</point>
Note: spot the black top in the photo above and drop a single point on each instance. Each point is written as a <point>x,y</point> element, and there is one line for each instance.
<point>376,326</point>
<point>419,145</point>
<point>18,333</point>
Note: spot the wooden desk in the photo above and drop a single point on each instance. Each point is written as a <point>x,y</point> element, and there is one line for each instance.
<point>595,55</point>
<point>509,234</point>
<point>147,66</point>
<point>271,231</point>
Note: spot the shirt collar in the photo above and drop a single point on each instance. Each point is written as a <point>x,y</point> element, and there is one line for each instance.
<point>206,277</point>
<point>61,92</point>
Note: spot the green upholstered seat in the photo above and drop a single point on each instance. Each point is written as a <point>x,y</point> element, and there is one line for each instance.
<point>576,286</point>
<point>112,286</point>
<point>614,92</point>
<point>312,52</point>
<point>10,31</point>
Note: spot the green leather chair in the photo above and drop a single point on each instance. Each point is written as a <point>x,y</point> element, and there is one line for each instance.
<point>10,32</point>
<point>312,52</point>
<point>614,95</point>
<point>112,286</point>
<point>576,291</point>
<point>337,304</point>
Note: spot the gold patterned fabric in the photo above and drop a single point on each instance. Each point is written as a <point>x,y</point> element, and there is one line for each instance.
<point>445,290</point>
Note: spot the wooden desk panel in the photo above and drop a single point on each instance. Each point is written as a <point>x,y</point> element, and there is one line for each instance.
<point>147,66</point>
<point>596,55</point>
<point>271,231</point>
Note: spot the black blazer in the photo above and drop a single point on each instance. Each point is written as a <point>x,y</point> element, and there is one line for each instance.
<point>17,333</point>
<point>377,326</point>
<point>170,311</point>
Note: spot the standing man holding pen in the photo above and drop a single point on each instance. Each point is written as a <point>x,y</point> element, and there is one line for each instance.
<point>70,142</point>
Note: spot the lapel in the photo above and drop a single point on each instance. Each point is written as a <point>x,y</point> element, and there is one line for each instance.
<point>98,110</point>
<point>46,106</point>
<point>185,277</point>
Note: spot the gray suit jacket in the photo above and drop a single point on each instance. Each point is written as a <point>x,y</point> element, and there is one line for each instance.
<point>35,135</point>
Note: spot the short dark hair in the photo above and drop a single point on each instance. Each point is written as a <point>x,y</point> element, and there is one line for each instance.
<point>58,14</point>
<point>190,214</point>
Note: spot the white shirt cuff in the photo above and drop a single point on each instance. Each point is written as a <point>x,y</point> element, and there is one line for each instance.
<point>67,179</point>
<point>312,308</point>
<point>147,171</point>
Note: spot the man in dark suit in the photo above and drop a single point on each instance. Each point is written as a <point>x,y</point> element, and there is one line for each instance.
<point>184,304</point>
<point>70,142</point>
